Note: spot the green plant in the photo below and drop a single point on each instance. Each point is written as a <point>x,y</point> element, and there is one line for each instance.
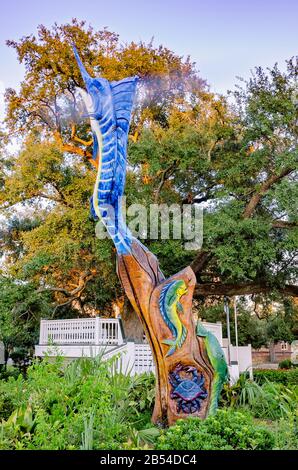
<point>284,376</point>
<point>5,373</point>
<point>88,433</point>
<point>83,405</point>
<point>243,392</point>
<point>285,364</point>
<point>141,398</point>
<point>286,432</point>
<point>278,329</point>
<point>139,438</point>
<point>270,400</point>
<point>276,401</point>
<point>227,430</point>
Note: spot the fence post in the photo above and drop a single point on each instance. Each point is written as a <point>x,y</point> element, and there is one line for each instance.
<point>120,331</point>
<point>96,331</point>
<point>130,357</point>
<point>41,332</point>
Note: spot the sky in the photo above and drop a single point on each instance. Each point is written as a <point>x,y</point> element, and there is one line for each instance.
<point>226,39</point>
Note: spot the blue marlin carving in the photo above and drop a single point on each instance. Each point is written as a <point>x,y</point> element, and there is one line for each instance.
<point>109,106</point>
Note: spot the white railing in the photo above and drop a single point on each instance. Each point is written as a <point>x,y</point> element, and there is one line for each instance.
<point>93,331</point>
<point>123,360</point>
<point>132,358</point>
<point>88,336</point>
<point>143,360</point>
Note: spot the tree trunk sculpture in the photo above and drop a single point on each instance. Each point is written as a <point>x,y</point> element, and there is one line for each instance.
<point>189,362</point>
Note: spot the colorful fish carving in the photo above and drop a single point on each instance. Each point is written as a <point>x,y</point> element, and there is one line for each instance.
<point>169,305</point>
<point>109,106</point>
<point>218,362</point>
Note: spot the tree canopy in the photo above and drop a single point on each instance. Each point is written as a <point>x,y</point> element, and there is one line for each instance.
<point>236,155</point>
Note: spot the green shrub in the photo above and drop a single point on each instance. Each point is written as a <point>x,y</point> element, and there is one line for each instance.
<point>285,364</point>
<point>276,401</point>
<point>241,393</point>
<point>82,406</point>
<point>286,433</point>
<point>227,430</point>
<point>284,376</point>
<point>141,398</point>
<point>9,372</point>
<point>271,400</point>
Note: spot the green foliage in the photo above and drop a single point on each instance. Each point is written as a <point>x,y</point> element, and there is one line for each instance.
<point>81,406</point>
<point>227,430</point>
<point>142,395</point>
<point>21,308</point>
<point>141,439</point>
<point>279,330</point>
<point>285,364</point>
<point>10,371</point>
<point>286,432</point>
<point>85,405</point>
<point>275,401</point>
<point>251,330</point>
<point>271,400</point>
<point>243,392</point>
<point>285,377</point>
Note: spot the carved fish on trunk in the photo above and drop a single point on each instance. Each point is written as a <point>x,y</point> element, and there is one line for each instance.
<point>169,304</point>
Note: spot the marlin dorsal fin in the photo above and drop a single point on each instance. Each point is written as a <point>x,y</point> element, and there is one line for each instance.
<point>123,93</point>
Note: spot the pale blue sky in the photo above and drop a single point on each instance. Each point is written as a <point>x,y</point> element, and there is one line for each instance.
<point>225,38</point>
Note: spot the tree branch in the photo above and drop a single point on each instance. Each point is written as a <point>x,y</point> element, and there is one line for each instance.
<point>60,200</point>
<point>217,288</point>
<point>257,196</point>
<point>200,261</point>
<point>204,257</point>
<point>83,279</point>
<point>73,149</point>
<point>87,143</point>
<point>283,224</point>
<point>165,175</point>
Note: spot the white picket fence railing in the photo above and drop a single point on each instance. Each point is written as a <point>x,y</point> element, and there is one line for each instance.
<point>131,358</point>
<point>143,358</point>
<point>92,336</point>
<point>87,331</point>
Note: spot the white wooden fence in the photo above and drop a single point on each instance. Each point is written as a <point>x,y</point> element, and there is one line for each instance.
<point>92,336</point>
<point>81,331</point>
<point>131,358</point>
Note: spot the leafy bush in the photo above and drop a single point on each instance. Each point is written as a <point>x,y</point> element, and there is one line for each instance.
<point>241,393</point>
<point>271,400</point>
<point>227,430</point>
<point>286,433</point>
<point>82,406</point>
<point>141,397</point>
<point>86,405</point>
<point>9,372</point>
<point>275,401</point>
<point>285,364</point>
<point>284,376</point>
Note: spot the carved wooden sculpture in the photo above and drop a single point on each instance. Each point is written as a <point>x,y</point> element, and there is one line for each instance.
<point>190,365</point>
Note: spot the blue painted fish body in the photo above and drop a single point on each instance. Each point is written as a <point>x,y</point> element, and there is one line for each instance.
<point>109,106</point>
<point>169,305</point>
